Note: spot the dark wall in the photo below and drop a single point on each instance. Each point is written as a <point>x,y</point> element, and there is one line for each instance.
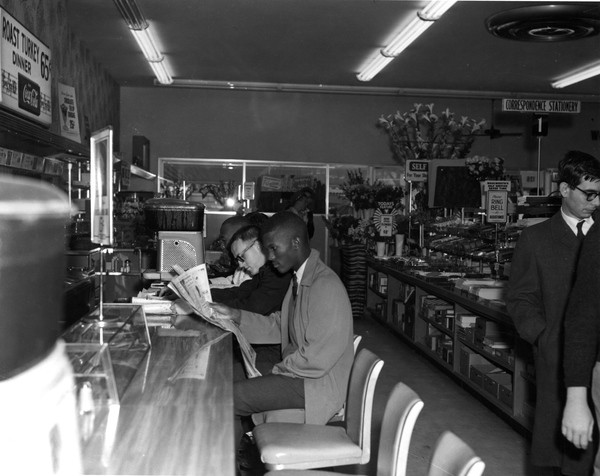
<point>282,126</point>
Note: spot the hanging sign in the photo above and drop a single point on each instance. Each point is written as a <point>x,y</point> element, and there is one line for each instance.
<point>416,170</point>
<point>560,106</point>
<point>69,120</point>
<point>26,71</point>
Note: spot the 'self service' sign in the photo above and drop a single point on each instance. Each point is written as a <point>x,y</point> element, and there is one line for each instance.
<point>26,71</point>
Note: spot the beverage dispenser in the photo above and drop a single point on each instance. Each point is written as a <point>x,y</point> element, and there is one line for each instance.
<point>179,225</point>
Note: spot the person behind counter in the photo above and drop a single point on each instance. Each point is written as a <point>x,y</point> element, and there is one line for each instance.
<point>264,292</point>
<point>302,204</point>
<point>541,276</point>
<point>316,320</point>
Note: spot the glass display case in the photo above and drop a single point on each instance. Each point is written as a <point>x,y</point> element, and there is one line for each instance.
<point>124,331</point>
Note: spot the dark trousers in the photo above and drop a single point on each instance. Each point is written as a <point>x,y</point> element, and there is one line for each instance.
<point>259,394</point>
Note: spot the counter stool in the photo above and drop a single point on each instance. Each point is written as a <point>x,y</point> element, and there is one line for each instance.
<point>401,412</point>
<point>453,457</point>
<point>302,446</point>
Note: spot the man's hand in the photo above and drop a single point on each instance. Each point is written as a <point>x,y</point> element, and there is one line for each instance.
<point>221,311</point>
<point>577,421</point>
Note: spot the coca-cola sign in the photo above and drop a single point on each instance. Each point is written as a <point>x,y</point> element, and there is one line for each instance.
<point>29,95</point>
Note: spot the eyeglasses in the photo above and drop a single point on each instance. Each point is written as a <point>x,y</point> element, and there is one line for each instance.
<point>589,196</point>
<point>240,258</point>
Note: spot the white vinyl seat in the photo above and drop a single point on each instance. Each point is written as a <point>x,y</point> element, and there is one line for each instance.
<point>453,457</point>
<point>296,415</point>
<point>401,412</point>
<point>302,446</point>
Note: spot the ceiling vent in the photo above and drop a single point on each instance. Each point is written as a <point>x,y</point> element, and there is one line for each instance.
<point>546,23</point>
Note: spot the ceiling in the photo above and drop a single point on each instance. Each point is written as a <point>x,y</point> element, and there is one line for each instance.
<point>326,42</point>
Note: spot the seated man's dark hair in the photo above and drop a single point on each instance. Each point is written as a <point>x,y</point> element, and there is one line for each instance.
<point>288,222</point>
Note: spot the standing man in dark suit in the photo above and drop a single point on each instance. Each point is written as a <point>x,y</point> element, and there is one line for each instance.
<point>541,277</point>
<point>582,348</point>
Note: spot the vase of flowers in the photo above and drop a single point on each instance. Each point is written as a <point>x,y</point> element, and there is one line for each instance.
<point>483,168</point>
<point>360,192</point>
<point>422,134</point>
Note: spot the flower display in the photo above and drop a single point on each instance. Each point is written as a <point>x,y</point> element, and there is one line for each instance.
<point>348,229</point>
<point>422,134</point>
<point>483,168</point>
<point>358,190</point>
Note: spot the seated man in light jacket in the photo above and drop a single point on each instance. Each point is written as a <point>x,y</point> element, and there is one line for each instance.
<point>314,328</point>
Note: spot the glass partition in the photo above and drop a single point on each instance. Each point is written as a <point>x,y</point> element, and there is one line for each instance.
<point>226,187</point>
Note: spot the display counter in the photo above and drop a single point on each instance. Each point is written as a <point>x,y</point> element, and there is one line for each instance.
<point>471,338</point>
<point>175,414</point>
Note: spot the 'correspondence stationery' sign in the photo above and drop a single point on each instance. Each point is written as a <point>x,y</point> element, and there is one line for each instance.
<point>26,72</point>
<point>542,106</point>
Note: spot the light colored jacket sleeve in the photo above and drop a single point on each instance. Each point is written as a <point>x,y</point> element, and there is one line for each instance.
<point>261,329</point>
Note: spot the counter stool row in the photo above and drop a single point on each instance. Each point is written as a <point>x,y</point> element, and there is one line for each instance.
<point>295,448</point>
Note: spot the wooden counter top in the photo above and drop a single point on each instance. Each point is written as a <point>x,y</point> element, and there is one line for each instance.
<point>176,415</point>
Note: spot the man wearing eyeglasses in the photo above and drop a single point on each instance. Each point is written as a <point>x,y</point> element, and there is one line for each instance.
<point>541,277</point>
<point>265,291</point>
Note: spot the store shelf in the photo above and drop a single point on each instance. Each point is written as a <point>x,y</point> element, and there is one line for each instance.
<point>426,317</point>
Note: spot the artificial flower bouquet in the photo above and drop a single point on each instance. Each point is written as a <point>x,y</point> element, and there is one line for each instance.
<point>422,134</point>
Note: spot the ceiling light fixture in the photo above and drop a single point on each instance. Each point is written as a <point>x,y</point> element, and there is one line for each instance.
<point>140,29</point>
<point>577,76</point>
<point>423,20</point>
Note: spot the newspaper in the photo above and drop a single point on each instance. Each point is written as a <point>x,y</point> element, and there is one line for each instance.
<point>193,287</point>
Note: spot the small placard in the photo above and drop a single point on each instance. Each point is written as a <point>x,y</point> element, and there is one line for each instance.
<point>417,170</point>
<point>497,206</point>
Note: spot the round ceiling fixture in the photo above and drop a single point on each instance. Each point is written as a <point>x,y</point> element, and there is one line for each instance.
<point>546,23</point>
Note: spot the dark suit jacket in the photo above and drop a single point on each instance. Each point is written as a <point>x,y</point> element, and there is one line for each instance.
<point>582,319</point>
<point>541,277</point>
<point>262,294</point>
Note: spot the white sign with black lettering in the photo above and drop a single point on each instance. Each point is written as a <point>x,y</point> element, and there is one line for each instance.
<point>417,170</point>
<point>497,206</point>
<point>545,106</point>
<point>26,71</point>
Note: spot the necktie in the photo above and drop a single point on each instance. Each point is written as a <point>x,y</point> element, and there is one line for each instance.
<point>294,286</point>
<point>580,234</point>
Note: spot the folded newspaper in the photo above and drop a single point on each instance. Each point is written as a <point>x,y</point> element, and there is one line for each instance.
<point>193,287</point>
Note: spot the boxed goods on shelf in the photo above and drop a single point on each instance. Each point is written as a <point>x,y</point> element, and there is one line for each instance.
<point>477,371</point>
<point>493,380</point>
<point>469,358</point>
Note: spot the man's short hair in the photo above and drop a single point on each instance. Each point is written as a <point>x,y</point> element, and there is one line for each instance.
<point>247,233</point>
<point>577,166</point>
<point>289,223</point>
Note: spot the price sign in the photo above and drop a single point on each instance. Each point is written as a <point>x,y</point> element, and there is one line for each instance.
<point>26,71</point>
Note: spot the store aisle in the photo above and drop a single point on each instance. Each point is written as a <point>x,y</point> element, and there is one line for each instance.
<point>448,406</point>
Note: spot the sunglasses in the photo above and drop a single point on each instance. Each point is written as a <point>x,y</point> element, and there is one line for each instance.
<point>240,258</point>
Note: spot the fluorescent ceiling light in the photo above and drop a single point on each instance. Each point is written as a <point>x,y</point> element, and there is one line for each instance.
<point>374,67</point>
<point>146,42</point>
<point>424,19</point>
<point>160,71</point>
<point>140,29</point>
<point>577,76</point>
